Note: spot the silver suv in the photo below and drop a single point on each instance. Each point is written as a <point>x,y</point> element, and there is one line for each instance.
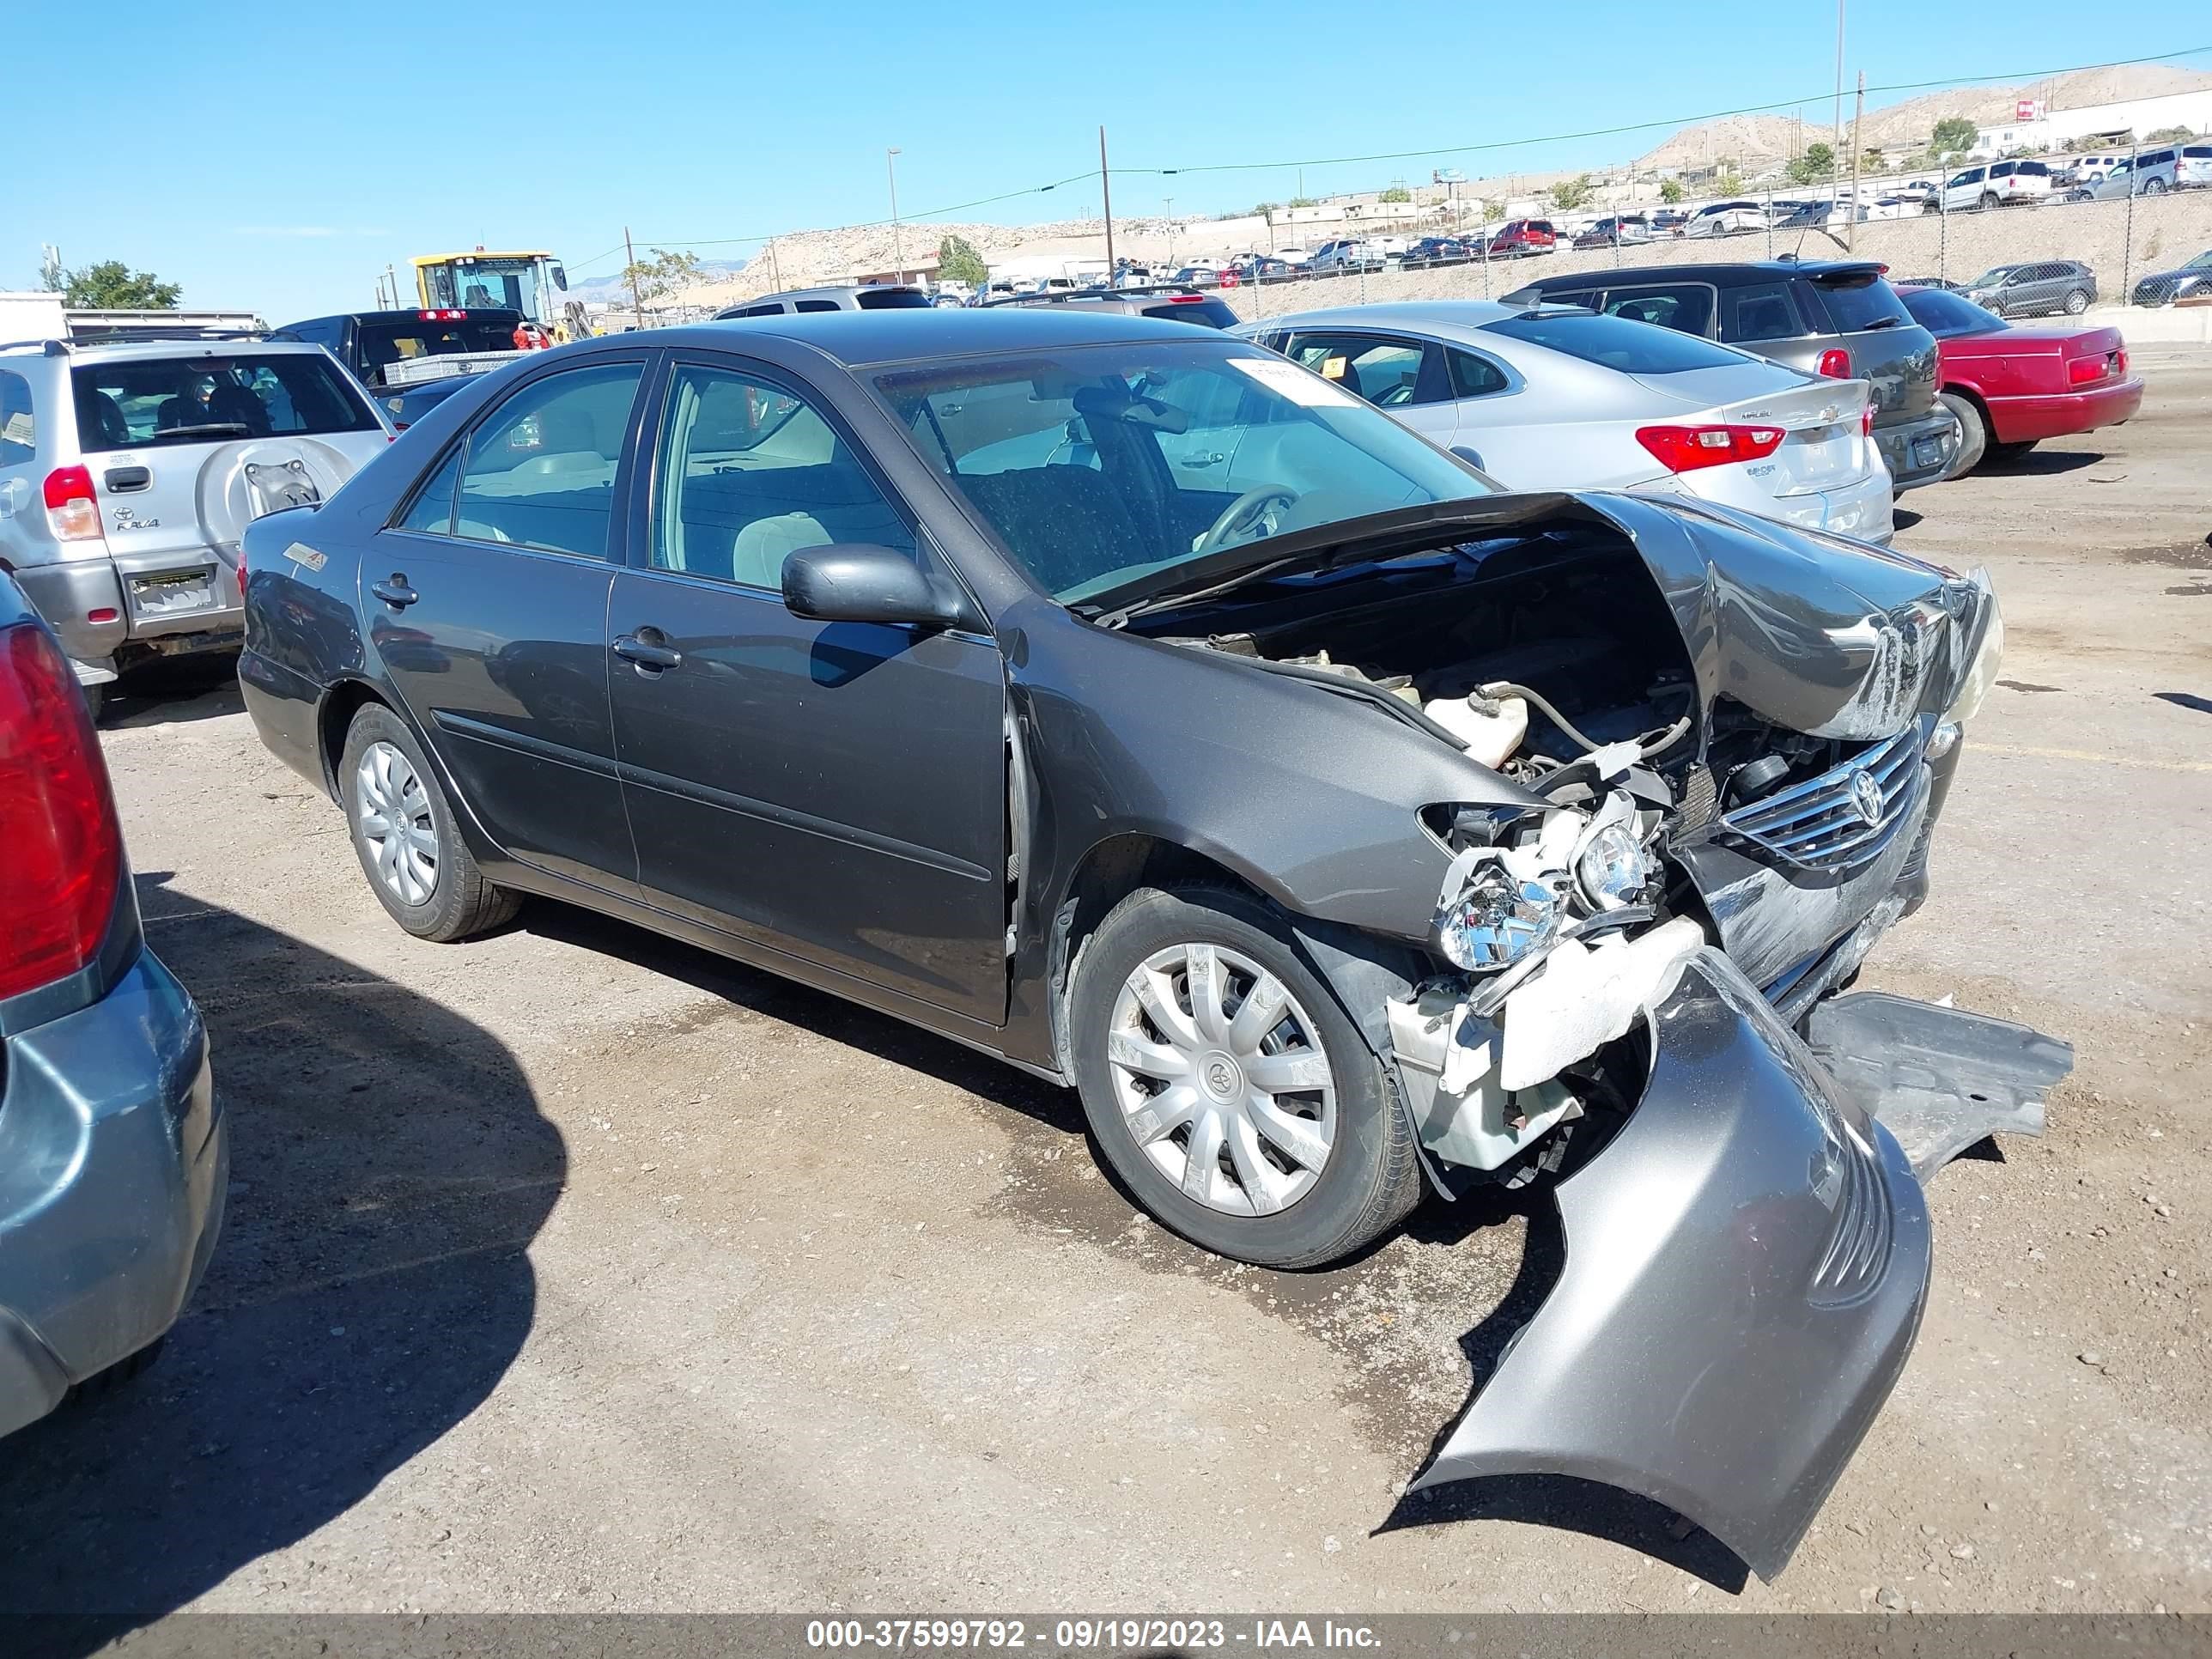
<point>129,472</point>
<point>837,296</point>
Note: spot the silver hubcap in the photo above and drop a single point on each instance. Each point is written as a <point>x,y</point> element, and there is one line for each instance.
<point>1222,1078</point>
<point>394,817</point>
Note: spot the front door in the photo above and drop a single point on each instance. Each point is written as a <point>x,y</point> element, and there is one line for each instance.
<point>1405,376</point>
<point>834,791</point>
<point>488,604</point>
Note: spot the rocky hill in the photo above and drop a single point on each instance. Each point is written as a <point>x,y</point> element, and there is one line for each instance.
<point>1752,140</point>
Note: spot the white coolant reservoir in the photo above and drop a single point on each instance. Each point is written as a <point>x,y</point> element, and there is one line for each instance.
<point>1493,728</point>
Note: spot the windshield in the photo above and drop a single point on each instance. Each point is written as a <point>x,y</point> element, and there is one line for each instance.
<point>1630,345</point>
<point>486,283</point>
<point>1993,275</point>
<point>1099,465</point>
<point>177,400</point>
<point>2202,262</point>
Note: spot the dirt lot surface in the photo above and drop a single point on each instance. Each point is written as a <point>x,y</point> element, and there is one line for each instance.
<point>573,1270</point>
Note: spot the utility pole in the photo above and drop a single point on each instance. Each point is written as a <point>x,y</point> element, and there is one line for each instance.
<point>1169,200</point>
<point>1858,114</point>
<point>1836,136</point>
<point>636,295</point>
<point>774,265</point>
<point>898,237</point>
<point>1106,199</point>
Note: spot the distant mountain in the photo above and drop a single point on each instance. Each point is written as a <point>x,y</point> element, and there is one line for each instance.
<point>612,290</point>
<point>1749,140</point>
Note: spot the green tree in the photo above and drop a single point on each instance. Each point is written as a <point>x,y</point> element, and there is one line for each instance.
<point>957,261</point>
<point>1870,161</point>
<point>1953,133</point>
<point>111,285</point>
<point>1302,201</point>
<point>663,273</point>
<point>1571,193</point>
<point>1265,211</point>
<point>1822,158</point>
<point>1731,183</point>
<point>2168,136</point>
<point>1395,193</point>
<point>1671,190</point>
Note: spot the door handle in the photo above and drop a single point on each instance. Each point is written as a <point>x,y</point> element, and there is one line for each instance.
<point>644,651</point>
<point>1197,461</point>
<point>395,592</point>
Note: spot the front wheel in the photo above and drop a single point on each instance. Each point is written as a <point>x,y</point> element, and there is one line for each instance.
<point>409,848</point>
<point>1227,1088</point>
<point>1973,433</point>
<point>2077,302</point>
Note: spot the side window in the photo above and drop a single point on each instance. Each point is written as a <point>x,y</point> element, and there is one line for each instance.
<point>2002,170</point>
<point>432,510</point>
<point>19,433</point>
<point>1473,376</point>
<point>1760,311</point>
<point>1387,373</point>
<point>750,474</point>
<point>541,467</point>
<point>817,305</point>
<point>1686,307</point>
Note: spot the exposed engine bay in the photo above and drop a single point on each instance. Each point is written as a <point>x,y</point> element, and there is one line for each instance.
<point>1553,659</point>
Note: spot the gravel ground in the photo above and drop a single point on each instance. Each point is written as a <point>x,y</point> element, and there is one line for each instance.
<point>572,1270</point>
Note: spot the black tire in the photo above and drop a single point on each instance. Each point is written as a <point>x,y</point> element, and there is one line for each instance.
<point>2155,187</point>
<point>1371,1178</point>
<point>2077,302</point>
<point>96,699</point>
<point>124,1370</point>
<point>460,901</point>
<point>2008,454</point>
<point>1988,200</point>
<point>1973,433</point>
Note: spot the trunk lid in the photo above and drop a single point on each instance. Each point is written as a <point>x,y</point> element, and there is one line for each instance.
<point>1823,447</point>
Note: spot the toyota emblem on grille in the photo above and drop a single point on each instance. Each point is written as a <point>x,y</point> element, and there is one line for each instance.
<point>1866,796</point>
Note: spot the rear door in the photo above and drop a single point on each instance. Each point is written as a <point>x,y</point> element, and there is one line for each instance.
<point>833,791</point>
<point>187,450</point>
<point>486,601</point>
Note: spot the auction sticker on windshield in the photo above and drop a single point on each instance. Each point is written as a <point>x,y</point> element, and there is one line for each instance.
<point>1293,382</point>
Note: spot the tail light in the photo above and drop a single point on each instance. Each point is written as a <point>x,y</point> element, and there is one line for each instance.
<point>72,510</point>
<point>1687,448</point>
<point>241,570</point>
<point>1866,420</point>
<point>2081,371</point>
<point>1835,364</point>
<point>443,314</point>
<point>65,863</point>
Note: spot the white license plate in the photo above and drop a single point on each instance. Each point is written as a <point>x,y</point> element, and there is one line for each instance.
<point>170,596</point>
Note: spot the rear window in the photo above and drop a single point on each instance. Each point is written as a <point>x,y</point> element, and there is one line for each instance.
<point>214,399</point>
<point>1209,314</point>
<point>1616,342</point>
<point>1858,302</point>
<point>382,344</point>
<point>1945,315</point>
<point>893,298</point>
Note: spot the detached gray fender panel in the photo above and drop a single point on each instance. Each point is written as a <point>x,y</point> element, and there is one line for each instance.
<point>1746,1266</point>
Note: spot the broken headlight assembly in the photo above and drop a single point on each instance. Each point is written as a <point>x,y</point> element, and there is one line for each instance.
<point>1498,918</point>
<point>1988,659</point>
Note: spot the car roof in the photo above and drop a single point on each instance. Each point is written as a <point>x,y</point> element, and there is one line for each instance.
<point>412,314</point>
<point>1431,315</point>
<point>130,351</point>
<point>1748,270</point>
<point>860,339</point>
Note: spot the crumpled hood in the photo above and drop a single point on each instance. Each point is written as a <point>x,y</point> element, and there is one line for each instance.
<point>1828,636</point>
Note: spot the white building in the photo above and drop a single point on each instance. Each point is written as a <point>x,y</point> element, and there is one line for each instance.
<point>2056,129</point>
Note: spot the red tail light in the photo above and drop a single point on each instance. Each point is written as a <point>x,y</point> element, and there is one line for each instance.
<point>1686,448</point>
<point>2081,371</point>
<point>65,863</point>
<point>1866,420</point>
<point>1836,364</point>
<point>446,315</point>
<point>72,510</point>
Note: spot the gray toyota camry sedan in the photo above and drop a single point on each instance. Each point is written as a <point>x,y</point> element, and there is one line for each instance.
<point>1131,703</point>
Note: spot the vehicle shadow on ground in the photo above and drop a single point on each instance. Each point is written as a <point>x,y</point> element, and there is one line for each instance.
<point>1561,1501</point>
<point>820,1011</point>
<point>177,689</point>
<point>389,1167</point>
<point>2042,463</point>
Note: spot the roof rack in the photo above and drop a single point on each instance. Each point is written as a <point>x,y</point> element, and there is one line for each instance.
<point>52,347</point>
<point>1097,291</point>
<point>141,334</point>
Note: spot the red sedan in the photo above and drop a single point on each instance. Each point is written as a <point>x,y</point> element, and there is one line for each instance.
<point>2012,387</point>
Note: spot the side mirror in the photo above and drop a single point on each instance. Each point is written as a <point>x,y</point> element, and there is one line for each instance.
<point>860,582</point>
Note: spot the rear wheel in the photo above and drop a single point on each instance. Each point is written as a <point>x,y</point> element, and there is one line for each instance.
<point>2077,302</point>
<point>2155,187</point>
<point>1988,200</point>
<point>1227,1088</point>
<point>1973,433</point>
<point>410,849</point>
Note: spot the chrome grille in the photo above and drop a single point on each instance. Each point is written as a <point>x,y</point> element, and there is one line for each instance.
<point>1834,822</point>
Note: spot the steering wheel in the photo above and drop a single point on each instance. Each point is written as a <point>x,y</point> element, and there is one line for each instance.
<point>1243,515</point>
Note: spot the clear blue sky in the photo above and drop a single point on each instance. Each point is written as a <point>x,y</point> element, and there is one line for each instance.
<point>278,157</point>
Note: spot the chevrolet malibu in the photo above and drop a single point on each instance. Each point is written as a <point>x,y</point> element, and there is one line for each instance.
<point>1130,703</point>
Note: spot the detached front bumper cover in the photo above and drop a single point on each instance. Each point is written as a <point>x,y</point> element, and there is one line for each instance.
<point>1745,1267</point>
